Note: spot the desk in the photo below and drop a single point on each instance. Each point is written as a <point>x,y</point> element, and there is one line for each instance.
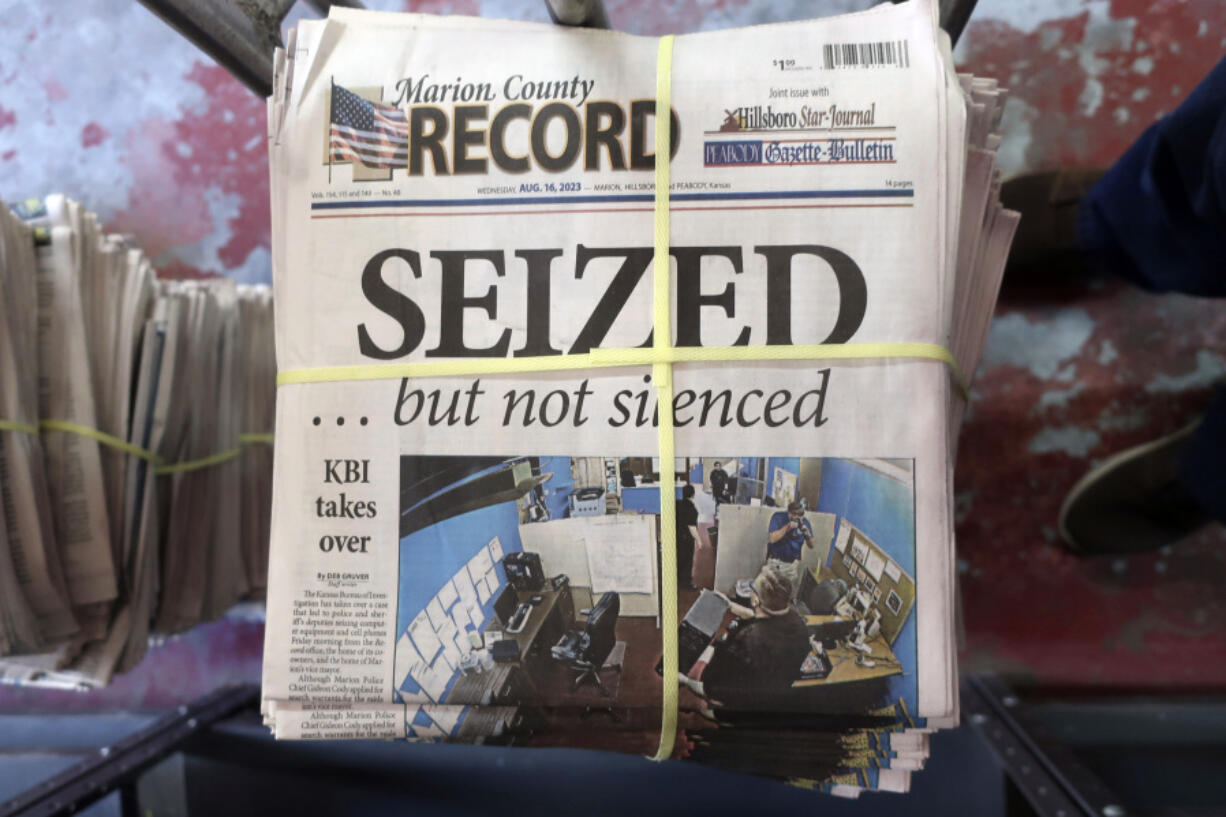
<point>489,724</point>
<point>500,684</point>
<point>844,668</point>
<point>509,683</point>
<point>546,624</point>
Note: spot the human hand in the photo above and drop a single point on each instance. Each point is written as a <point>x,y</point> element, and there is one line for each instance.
<point>690,684</point>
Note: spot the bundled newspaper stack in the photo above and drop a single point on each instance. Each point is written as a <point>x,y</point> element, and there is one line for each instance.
<point>492,288</point>
<point>129,502</point>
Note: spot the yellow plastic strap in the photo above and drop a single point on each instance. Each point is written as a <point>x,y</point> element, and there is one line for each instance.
<point>160,467</point>
<point>662,374</point>
<point>196,465</point>
<point>256,439</point>
<point>102,437</point>
<point>608,358</point>
<point>22,428</point>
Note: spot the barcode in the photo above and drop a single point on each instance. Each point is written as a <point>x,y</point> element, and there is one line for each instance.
<point>866,55</point>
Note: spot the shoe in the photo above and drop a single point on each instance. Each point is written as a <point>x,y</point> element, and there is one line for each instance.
<point>1045,246</point>
<point>1133,502</point>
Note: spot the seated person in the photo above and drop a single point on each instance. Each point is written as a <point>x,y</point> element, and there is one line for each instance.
<point>754,666</point>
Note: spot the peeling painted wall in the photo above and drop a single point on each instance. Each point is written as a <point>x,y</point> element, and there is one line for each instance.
<point>1079,371</point>
<point>1088,76</point>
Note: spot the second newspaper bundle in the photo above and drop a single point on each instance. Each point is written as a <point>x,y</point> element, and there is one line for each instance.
<point>579,446</point>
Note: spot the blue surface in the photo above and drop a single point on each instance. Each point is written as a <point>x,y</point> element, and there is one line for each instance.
<point>431,556</point>
<point>883,509</point>
<point>376,778</point>
<point>21,772</point>
<point>789,464</point>
<point>559,487</point>
<point>36,747</point>
<point>747,467</point>
<point>644,499</point>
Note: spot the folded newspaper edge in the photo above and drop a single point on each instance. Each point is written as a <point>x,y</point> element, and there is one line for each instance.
<point>439,235</point>
<point>122,405</point>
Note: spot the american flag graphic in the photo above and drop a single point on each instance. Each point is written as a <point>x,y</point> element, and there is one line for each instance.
<point>372,133</point>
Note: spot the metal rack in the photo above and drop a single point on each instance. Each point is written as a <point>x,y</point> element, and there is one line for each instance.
<point>118,767</point>
<point>241,34</point>
<point>1090,753</point>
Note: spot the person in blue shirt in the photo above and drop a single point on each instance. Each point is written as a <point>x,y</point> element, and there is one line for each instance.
<point>789,531</point>
<point>1157,219</point>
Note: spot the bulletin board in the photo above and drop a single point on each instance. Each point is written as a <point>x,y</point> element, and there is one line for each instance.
<point>430,649</point>
<point>858,560</point>
<point>783,486</point>
<point>621,548</point>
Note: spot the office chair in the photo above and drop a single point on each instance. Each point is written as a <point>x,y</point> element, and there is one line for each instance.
<point>820,599</point>
<point>585,650</point>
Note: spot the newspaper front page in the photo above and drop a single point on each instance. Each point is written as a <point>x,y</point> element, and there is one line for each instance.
<point>452,189</point>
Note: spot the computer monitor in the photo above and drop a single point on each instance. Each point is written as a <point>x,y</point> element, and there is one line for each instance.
<point>697,630</point>
<point>820,597</point>
<point>506,604</point>
<point>747,489</point>
<point>524,570</point>
<point>831,632</point>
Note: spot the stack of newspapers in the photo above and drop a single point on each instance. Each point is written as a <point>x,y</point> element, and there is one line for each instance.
<point>579,445</point>
<point>130,503</point>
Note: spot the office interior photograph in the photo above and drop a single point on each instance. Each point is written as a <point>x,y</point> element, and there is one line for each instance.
<point>1092,681</point>
<point>543,581</point>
